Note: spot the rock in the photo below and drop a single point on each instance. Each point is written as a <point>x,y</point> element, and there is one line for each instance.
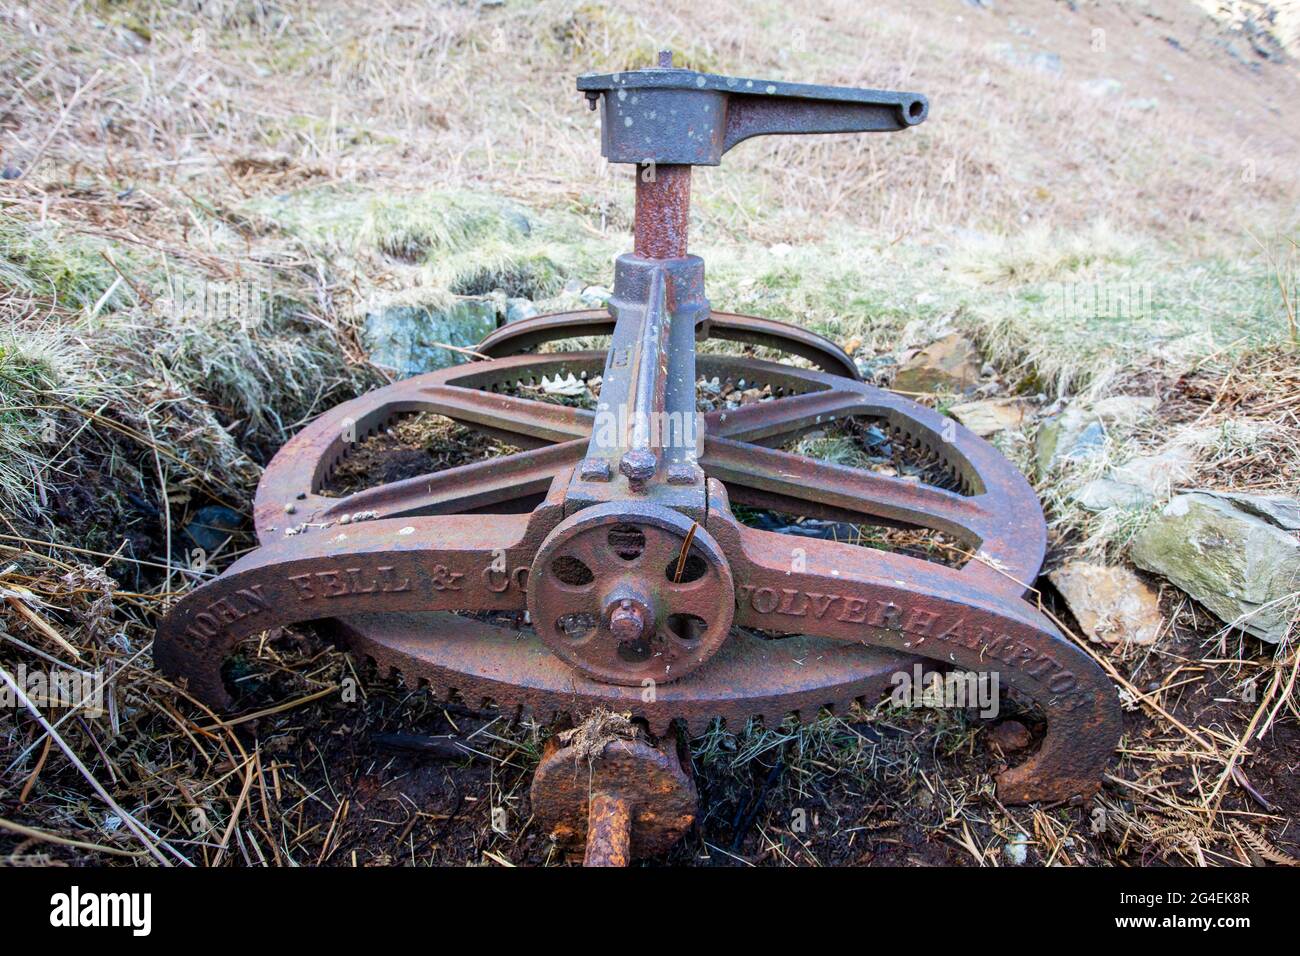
<point>1010,736</point>
<point>595,296</point>
<point>1237,564</point>
<point>1101,86</point>
<point>809,528</point>
<point>992,416</point>
<point>408,339</point>
<point>1111,604</point>
<point>1079,432</point>
<point>572,286</point>
<point>211,527</point>
<point>1071,436</point>
<point>1158,474</point>
<point>10,172</point>
<point>519,222</point>
<point>874,368</point>
<point>1283,512</point>
<point>1124,410</point>
<point>518,309</point>
<point>1102,494</point>
<point>1017,849</point>
<point>1145,105</point>
<point>950,364</point>
<point>1140,481</point>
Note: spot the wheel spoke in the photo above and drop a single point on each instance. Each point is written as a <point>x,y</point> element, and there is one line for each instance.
<point>780,480</point>
<point>535,422</point>
<point>779,420</point>
<point>478,485</point>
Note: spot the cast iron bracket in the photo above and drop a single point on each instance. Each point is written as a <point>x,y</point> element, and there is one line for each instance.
<point>675,116</point>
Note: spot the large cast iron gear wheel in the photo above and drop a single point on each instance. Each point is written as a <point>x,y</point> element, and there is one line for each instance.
<point>625,549</point>
<point>992,511</point>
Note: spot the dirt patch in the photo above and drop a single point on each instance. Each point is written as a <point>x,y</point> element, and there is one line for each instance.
<point>413,446</point>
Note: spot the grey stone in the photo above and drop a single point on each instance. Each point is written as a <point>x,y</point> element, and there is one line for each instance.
<point>518,309</point>
<point>519,222</point>
<point>1241,567</point>
<point>1079,432</point>
<point>1102,494</point>
<point>1160,473</point>
<point>211,526</point>
<point>596,296</point>
<point>409,339</point>
<point>1140,481</point>
<point>874,367</point>
<point>1283,512</point>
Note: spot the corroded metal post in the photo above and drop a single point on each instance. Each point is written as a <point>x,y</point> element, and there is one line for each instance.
<point>663,206</point>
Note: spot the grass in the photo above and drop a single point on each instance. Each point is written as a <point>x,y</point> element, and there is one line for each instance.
<point>330,156</point>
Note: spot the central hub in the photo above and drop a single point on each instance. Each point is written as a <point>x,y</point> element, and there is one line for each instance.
<point>628,619</point>
<point>629,593</point>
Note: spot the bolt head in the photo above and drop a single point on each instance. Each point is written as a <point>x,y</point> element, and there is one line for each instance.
<point>627,620</point>
<point>595,469</point>
<point>638,465</point>
<point>682,473</point>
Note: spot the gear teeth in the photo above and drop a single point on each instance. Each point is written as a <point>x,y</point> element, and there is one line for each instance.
<point>658,722</point>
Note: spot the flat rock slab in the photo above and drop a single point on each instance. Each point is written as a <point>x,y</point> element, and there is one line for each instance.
<point>1242,567</point>
<point>992,416</point>
<point>1111,603</point>
<point>412,340</point>
<point>1275,509</point>
<point>949,365</point>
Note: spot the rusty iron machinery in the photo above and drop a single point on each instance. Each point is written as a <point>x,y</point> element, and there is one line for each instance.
<point>614,528</point>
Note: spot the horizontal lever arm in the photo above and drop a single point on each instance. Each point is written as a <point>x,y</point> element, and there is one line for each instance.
<point>670,116</point>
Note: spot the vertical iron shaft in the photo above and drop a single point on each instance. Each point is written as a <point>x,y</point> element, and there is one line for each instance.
<point>663,206</point>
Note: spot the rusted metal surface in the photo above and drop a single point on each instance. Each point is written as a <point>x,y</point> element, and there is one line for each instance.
<point>527,334</point>
<point>378,573</point>
<point>642,570</point>
<point>625,799</point>
<point>663,208</point>
<point>671,116</point>
<point>646,594</point>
